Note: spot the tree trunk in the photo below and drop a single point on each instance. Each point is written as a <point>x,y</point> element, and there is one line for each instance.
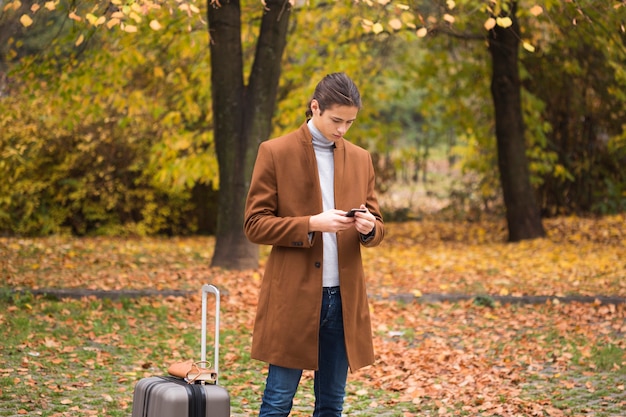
<point>242,116</point>
<point>522,212</point>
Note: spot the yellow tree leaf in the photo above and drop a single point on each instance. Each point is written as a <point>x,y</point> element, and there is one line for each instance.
<point>528,46</point>
<point>91,18</point>
<point>504,22</point>
<point>75,17</point>
<point>113,22</point>
<point>536,10</point>
<point>135,17</point>
<point>448,18</point>
<point>25,20</point>
<point>490,23</point>
<point>15,5</point>
<point>50,5</point>
<point>395,24</point>
<point>422,32</point>
<point>155,25</point>
<point>377,28</point>
<point>80,40</point>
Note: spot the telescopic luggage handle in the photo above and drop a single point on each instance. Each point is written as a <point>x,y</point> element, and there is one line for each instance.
<point>206,288</point>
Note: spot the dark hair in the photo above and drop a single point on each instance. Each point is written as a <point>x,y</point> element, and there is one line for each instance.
<point>335,89</point>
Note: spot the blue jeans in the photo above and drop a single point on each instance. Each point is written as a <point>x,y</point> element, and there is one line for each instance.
<point>330,378</point>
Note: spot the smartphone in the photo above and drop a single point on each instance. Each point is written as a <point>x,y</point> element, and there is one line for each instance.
<point>354,210</point>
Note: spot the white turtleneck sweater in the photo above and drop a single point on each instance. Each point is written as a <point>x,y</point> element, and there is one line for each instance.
<point>325,155</point>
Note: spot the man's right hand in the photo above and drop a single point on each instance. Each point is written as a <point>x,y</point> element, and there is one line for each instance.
<point>330,221</point>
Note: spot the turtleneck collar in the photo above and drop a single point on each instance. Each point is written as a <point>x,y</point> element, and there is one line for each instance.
<point>318,139</point>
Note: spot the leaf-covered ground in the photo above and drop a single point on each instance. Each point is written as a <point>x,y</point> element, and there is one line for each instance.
<point>82,357</point>
<point>579,256</point>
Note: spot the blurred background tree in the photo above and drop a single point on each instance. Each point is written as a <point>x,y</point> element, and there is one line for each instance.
<point>107,113</point>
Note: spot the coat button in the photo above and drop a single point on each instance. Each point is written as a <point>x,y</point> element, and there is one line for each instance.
<point>318,264</point>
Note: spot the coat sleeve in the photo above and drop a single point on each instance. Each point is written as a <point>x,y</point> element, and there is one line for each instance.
<point>263,223</point>
<point>372,205</point>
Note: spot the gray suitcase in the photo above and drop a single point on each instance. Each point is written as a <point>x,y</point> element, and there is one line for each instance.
<point>173,397</point>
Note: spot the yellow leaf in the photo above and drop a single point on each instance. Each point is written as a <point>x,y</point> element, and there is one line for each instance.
<point>34,8</point>
<point>421,32</point>
<point>448,18</point>
<point>135,17</point>
<point>377,28</point>
<point>155,25</point>
<point>158,72</point>
<point>408,19</point>
<point>451,4</point>
<point>181,144</point>
<point>80,40</point>
<point>395,24</point>
<point>75,17</point>
<point>91,18</point>
<point>13,5</point>
<point>504,22</point>
<point>528,47</point>
<point>490,23</point>
<point>536,10</point>
<point>101,20</point>
<point>130,28</point>
<point>25,20</point>
<point>50,5</point>
<point>113,22</point>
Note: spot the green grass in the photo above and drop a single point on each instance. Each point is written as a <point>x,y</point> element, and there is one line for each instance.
<point>83,357</point>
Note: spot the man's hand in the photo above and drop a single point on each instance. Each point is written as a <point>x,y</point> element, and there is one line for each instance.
<point>332,221</point>
<point>364,222</point>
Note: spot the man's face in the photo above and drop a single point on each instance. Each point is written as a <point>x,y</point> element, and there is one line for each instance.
<point>335,121</point>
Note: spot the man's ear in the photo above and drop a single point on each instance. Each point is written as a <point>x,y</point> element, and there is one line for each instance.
<point>315,106</point>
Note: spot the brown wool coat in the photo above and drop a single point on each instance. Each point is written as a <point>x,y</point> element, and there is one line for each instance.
<point>284,193</point>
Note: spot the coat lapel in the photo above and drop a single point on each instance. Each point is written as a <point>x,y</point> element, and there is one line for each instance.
<point>340,164</point>
<point>310,170</point>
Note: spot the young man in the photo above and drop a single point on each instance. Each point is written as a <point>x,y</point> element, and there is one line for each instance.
<point>313,311</point>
